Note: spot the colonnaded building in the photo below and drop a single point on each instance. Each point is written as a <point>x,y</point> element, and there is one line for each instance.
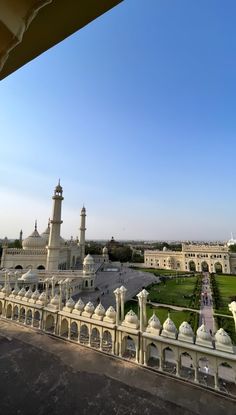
<point>194,257</point>
<point>49,251</point>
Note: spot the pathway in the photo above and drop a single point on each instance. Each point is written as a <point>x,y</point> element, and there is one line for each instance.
<point>206,310</point>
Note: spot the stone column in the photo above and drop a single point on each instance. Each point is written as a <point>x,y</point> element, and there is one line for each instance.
<point>122,301</point>
<point>113,347</point>
<point>145,358</point>
<point>117,295</point>
<point>69,326</point>
<point>46,282</point>
<point>196,374</point>
<point>177,367</point>
<point>216,380</point>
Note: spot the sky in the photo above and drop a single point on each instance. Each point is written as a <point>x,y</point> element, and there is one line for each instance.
<point>136,114</point>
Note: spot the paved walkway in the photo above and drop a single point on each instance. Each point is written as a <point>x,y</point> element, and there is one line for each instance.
<point>206,310</point>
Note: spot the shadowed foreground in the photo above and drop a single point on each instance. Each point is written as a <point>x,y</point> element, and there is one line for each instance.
<point>44,375</point>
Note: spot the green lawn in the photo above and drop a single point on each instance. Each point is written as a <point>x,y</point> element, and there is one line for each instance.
<point>162,313</point>
<point>174,291</point>
<point>227,289</point>
<point>167,272</point>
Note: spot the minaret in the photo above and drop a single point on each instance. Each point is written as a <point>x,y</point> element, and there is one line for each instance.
<point>54,236</point>
<point>20,239</point>
<point>82,233</point>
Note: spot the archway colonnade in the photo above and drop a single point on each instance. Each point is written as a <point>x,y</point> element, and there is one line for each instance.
<point>171,356</point>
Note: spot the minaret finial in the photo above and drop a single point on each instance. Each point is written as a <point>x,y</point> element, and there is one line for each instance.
<point>35,225</point>
<point>48,222</point>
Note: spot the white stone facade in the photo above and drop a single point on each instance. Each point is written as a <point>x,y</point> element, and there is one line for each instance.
<point>211,258</point>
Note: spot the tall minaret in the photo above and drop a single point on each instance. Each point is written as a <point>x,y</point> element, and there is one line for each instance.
<point>54,236</point>
<point>20,238</point>
<point>82,233</point>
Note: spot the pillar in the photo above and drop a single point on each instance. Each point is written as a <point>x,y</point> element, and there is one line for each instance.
<point>216,380</point>
<point>177,367</point>
<point>82,233</point>
<point>196,374</point>
<point>122,301</point>
<point>55,228</point>
<point>117,295</point>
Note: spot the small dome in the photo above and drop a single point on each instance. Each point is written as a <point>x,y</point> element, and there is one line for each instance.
<point>28,293</point>
<point>16,290</point>
<point>29,276</point>
<point>185,329</point>
<point>55,300</point>
<point>164,249</point>
<point>203,333</point>
<point>111,313</point>
<point>131,317</point>
<point>105,250</point>
<point>154,322</point>
<point>34,241</point>
<point>22,292</point>
<point>79,305</point>
<point>169,326</point>
<point>89,308</point>
<point>42,296</point>
<point>70,303</point>
<point>88,260</point>
<point>222,337</point>
<point>100,310</point>
<point>35,295</point>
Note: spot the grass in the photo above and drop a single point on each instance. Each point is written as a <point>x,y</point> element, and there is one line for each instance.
<point>162,313</point>
<point>159,272</point>
<point>174,291</point>
<point>227,289</point>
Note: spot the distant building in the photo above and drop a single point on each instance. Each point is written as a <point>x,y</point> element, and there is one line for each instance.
<point>199,257</point>
<point>49,250</point>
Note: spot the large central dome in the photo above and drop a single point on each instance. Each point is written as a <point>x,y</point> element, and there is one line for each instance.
<point>34,241</point>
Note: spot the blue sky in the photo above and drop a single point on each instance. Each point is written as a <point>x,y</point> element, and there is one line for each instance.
<point>136,114</point>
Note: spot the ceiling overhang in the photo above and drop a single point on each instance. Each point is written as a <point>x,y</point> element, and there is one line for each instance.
<point>30,27</point>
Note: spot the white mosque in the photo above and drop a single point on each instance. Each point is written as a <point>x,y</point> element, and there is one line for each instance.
<point>49,251</point>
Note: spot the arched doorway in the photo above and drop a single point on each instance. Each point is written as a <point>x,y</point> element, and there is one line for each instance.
<point>18,267</point>
<point>50,323</point>
<point>29,317</point>
<point>9,311</point>
<point>95,338</point>
<point>40,267</point>
<point>129,349</point>
<point>218,268</point>
<point>169,362</point>
<point>84,334</point>
<point>186,366</point>
<point>107,342</point>
<point>22,315</point>
<point>204,266</point>
<point>192,266</point>
<point>36,319</point>
<point>153,357</point>
<point>74,333</point>
<point>205,372</point>
<point>64,328</point>
<point>15,313</point>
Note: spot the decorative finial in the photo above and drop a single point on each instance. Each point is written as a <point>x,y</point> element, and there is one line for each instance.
<point>59,180</point>
<point>35,225</point>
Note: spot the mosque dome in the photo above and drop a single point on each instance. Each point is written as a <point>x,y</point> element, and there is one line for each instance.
<point>185,329</point>
<point>70,303</point>
<point>164,249</point>
<point>88,260</point>
<point>34,241</point>
<point>222,337</point>
<point>89,308</point>
<point>99,310</point>
<point>105,250</point>
<point>203,333</point>
<point>169,326</point>
<point>28,293</point>
<point>35,295</point>
<point>55,300</point>
<point>30,276</point>
<point>46,233</point>
<point>131,317</point>
<point>111,313</point>
<point>154,322</point>
<point>79,305</point>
